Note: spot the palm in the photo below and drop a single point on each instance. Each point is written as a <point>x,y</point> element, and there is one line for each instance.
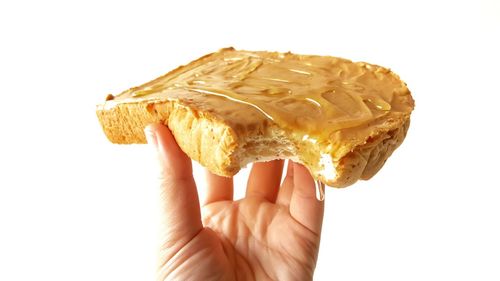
<point>260,240</point>
<point>271,234</point>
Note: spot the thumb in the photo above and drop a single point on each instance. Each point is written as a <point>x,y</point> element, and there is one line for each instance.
<point>179,204</point>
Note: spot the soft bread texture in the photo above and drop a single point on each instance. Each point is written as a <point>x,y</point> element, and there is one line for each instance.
<point>224,146</point>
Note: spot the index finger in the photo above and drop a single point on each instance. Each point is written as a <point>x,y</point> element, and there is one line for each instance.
<point>218,188</point>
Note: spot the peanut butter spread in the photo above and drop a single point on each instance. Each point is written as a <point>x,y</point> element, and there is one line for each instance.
<point>328,102</point>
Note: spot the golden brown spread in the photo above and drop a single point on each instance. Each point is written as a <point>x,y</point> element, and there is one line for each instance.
<point>319,98</point>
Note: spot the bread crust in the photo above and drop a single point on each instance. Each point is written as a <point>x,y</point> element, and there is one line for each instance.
<point>200,135</point>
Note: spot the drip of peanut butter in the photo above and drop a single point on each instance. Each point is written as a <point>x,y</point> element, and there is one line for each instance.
<point>319,98</point>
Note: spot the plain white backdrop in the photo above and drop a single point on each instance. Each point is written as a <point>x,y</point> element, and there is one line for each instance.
<point>75,207</point>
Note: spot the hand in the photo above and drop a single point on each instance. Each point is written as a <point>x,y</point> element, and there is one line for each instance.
<point>271,234</point>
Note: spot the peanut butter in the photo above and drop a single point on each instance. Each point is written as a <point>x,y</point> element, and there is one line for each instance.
<point>325,101</point>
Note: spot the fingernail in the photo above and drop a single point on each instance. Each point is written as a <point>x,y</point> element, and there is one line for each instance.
<point>151,137</point>
<point>154,150</point>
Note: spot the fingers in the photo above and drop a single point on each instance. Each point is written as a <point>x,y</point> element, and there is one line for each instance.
<point>304,206</point>
<point>285,192</point>
<point>180,211</point>
<point>264,180</point>
<point>218,188</point>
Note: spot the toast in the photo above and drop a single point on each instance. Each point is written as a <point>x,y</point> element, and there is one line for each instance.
<point>339,118</point>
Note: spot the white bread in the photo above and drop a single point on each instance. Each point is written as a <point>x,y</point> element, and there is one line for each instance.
<point>224,132</point>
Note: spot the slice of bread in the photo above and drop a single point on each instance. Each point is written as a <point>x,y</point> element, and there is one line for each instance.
<point>341,119</point>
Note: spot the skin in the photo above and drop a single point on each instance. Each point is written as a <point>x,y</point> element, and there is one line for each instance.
<point>271,234</point>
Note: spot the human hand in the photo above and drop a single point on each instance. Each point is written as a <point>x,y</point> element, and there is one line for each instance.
<point>271,234</point>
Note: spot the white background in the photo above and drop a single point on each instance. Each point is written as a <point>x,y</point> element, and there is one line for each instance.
<point>75,207</point>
